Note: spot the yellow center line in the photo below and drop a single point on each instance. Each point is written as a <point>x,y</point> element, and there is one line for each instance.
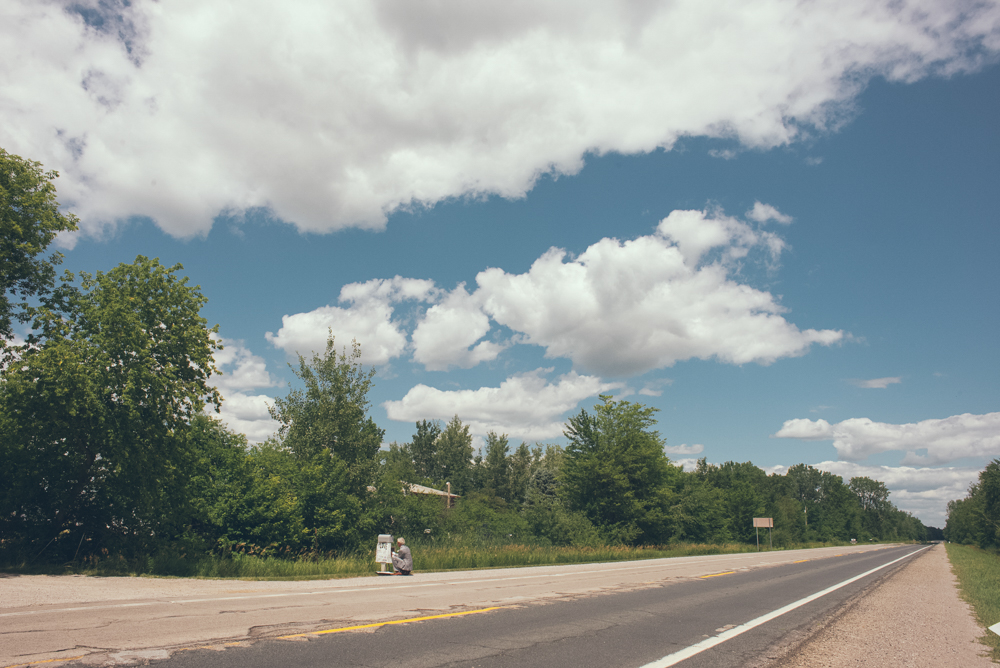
<point>395,621</point>
<point>800,561</point>
<point>715,575</point>
<point>35,663</point>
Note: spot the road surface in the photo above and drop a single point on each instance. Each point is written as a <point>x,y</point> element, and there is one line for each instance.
<point>720,610</point>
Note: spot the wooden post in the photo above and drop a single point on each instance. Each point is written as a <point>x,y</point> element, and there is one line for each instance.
<point>448,488</point>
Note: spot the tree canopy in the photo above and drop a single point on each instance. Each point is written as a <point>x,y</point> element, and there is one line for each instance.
<point>29,221</point>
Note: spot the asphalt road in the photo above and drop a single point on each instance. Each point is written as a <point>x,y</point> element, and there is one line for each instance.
<point>620,614</point>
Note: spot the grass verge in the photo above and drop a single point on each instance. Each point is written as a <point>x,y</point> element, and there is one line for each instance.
<point>426,558</point>
<point>978,573</point>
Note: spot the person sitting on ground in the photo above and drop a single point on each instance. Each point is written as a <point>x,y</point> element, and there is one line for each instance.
<point>402,560</point>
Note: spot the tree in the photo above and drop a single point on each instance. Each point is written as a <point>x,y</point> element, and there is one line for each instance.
<point>326,429</point>
<point>97,404</point>
<point>423,450</point>
<point>615,471</point>
<point>29,221</point>
<point>496,466</point>
<point>874,499</point>
<point>454,456</point>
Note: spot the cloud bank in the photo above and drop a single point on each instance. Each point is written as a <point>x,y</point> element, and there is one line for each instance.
<point>524,406</point>
<point>944,440</point>
<point>620,308</point>
<point>337,114</point>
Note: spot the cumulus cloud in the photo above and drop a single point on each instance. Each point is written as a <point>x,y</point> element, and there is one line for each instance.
<point>366,318</point>
<point>619,308</point>
<point>623,308</point>
<point>241,372</point>
<point>943,440</point>
<point>448,333</point>
<point>524,406</point>
<point>876,383</point>
<point>337,114</point>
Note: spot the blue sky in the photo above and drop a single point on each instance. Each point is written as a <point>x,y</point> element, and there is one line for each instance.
<point>778,226</point>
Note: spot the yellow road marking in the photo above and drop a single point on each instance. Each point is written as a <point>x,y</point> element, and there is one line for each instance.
<point>715,575</point>
<point>800,561</point>
<point>395,621</point>
<point>35,663</point>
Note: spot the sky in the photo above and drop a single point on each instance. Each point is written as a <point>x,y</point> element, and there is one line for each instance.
<point>773,221</point>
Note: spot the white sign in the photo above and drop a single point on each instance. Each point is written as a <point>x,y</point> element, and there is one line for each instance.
<point>763,522</point>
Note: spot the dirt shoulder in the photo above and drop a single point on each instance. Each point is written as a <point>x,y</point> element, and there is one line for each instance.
<point>912,618</point>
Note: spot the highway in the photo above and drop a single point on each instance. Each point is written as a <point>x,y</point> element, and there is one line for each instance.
<point>720,610</point>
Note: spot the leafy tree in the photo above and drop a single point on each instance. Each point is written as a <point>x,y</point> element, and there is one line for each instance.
<point>454,456</point>
<point>616,472</point>
<point>97,406</point>
<point>423,451</point>
<point>547,516</point>
<point>29,221</point>
<point>495,466</point>
<point>326,429</point>
<point>874,499</point>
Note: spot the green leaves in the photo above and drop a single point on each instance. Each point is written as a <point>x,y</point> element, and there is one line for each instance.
<point>98,403</point>
<point>29,221</point>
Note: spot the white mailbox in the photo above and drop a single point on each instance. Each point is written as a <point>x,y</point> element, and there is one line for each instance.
<point>383,552</point>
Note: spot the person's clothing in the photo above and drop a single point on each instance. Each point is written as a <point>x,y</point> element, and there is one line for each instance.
<point>402,561</point>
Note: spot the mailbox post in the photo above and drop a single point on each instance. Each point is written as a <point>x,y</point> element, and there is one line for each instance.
<point>383,553</point>
<point>759,522</point>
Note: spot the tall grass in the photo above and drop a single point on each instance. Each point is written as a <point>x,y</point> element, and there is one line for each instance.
<point>978,573</point>
<point>431,557</point>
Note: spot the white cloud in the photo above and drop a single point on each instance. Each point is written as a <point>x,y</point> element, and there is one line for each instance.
<point>925,492</point>
<point>242,371</point>
<point>944,440</point>
<point>876,383</point>
<point>763,213</point>
<point>623,308</point>
<point>684,449</point>
<point>335,114</point>
<point>524,406</point>
<point>444,337</point>
<point>367,319</point>
<point>620,308</point>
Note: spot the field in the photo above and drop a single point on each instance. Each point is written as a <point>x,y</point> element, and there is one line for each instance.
<point>978,573</point>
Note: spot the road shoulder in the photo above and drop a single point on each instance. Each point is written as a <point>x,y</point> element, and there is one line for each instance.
<point>913,617</point>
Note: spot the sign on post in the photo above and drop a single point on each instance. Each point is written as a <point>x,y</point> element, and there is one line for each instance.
<point>763,523</point>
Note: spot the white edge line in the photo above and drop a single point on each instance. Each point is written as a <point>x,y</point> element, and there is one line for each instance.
<point>708,643</point>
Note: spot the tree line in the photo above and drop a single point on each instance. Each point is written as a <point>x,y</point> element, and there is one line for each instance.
<point>975,520</point>
<point>109,445</point>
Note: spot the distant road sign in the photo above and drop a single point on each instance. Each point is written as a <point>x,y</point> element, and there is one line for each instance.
<point>763,522</point>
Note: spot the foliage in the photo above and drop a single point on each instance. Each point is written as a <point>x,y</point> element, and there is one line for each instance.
<point>29,221</point>
<point>96,409</point>
<point>616,472</point>
<point>325,454</point>
<point>975,520</point>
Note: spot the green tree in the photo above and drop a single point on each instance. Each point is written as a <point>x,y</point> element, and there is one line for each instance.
<point>423,451</point>
<point>495,466</point>
<point>334,442</point>
<point>454,456</point>
<point>616,472</point>
<point>97,407</point>
<point>29,221</point>
<point>874,499</point>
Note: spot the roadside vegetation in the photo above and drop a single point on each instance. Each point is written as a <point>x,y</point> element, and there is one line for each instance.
<point>113,462</point>
<point>978,573</point>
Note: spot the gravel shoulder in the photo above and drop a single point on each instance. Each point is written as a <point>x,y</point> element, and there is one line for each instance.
<point>910,619</point>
